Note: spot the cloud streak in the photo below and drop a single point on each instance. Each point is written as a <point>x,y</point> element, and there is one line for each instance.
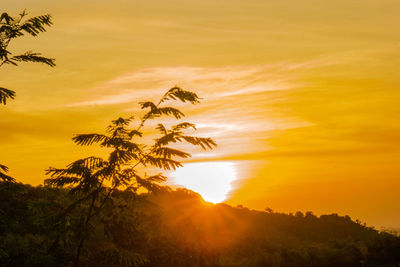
<point>210,82</point>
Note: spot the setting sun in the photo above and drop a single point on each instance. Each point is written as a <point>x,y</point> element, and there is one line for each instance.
<point>212,180</point>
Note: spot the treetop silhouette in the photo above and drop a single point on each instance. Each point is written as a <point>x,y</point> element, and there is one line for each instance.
<point>88,177</point>
<point>12,28</point>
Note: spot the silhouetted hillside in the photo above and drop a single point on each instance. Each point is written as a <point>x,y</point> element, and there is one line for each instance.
<point>177,228</point>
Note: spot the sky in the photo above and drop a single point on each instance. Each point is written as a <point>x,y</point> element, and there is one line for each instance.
<point>302,97</point>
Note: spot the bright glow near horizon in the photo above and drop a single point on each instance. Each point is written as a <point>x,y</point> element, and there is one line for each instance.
<point>212,180</point>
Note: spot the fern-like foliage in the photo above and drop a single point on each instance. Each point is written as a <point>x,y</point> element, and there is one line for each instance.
<point>36,25</point>
<point>89,139</point>
<point>178,93</point>
<point>11,28</point>
<point>184,125</point>
<point>84,173</point>
<point>129,154</point>
<point>128,151</point>
<point>168,152</point>
<point>4,176</point>
<point>6,94</point>
<point>31,57</point>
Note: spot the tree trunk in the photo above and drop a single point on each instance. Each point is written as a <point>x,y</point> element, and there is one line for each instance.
<point>78,253</point>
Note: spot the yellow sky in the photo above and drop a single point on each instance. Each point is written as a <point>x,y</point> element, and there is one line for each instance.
<point>302,96</point>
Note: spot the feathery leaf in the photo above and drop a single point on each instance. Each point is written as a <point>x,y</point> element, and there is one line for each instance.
<point>178,93</point>
<point>89,139</point>
<point>4,176</point>
<point>36,25</point>
<point>6,94</point>
<point>162,163</point>
<point>184,125</point>
<point>161,128</point>
<point>168,152</point>
<point>3,168</point>
<point>33,57</point>
<point>204,143</point>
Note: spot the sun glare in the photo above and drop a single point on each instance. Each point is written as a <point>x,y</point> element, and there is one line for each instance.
<point>212,180</point>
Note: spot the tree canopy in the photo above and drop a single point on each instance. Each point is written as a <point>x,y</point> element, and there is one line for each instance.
<point>176,228</point>
<point>15,27</point>
<point>10,29</point>
<point>94,179</point>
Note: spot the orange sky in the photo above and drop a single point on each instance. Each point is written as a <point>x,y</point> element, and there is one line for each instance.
<point>301,96</point>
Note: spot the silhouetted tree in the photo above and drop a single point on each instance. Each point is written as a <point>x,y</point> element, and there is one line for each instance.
<point>3,175</point>
<point>90,176</point>
<point>14,27</point>
<point>11,28</point>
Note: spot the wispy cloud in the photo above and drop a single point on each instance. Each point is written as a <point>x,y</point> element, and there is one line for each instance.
<point>238,100</point>
<point>207,81</point>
